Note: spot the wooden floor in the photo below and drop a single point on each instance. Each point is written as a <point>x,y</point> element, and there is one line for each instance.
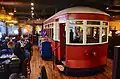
<point>37,62</point>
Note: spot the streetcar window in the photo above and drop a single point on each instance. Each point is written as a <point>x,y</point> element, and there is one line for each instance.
<point>93,34</point>
<point>76,34</point>
<point>104,34</point>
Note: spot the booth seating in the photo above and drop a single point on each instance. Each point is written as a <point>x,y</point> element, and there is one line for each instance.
<point>8,66</point>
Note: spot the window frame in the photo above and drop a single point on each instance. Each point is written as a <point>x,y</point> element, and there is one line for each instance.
<point>85,25</point>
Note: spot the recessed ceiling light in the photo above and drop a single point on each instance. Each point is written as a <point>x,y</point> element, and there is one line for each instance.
<point>32,4</point>
<point>32,13</point>
<point>107,8</point>
<point>32,8</point>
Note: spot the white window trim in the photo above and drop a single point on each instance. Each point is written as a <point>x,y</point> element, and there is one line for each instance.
<point>107,31</point>
<point>84,31</point>
<point>67,32</point>
<point>100,35</point>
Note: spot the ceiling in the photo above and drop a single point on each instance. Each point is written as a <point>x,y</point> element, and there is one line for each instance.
<point>46,8</point>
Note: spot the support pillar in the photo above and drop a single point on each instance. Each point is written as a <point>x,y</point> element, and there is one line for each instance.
<point>116,63</point>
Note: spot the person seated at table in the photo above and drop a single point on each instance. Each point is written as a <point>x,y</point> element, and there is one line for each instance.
<point>10,44</point>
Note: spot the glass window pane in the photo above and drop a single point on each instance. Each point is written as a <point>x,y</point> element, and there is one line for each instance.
<point>76,34</point>
<point>92,34</point>
<point>104,34</point>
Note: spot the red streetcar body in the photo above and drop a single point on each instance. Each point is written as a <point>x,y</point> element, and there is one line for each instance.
<point>89,53</point>
<point>79,56</point>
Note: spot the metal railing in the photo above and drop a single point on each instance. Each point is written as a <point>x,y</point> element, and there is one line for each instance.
<point>53,57</point>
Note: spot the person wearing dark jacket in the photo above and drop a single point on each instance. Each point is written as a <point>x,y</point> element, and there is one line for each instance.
<point>28,46</point>
<point>19,52</point>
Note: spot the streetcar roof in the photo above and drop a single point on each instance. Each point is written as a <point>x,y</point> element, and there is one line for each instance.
<point>78,10</point>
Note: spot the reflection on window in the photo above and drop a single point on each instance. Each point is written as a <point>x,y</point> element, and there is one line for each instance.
<point>93,34</point>
<point>76,34</point>
<point>104,34</point>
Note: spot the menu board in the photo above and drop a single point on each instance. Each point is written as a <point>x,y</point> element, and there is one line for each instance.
<point>93,22</point>
<point>76,22</point>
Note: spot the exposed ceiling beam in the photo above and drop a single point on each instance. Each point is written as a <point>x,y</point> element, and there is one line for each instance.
<point>11,3</point>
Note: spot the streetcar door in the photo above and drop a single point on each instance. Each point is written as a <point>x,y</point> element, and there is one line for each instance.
<point>62,41</point>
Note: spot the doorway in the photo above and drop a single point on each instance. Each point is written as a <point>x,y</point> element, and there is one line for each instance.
<point>62,36</point>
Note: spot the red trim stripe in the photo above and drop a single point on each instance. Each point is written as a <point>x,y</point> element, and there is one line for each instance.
<point>80,16</point>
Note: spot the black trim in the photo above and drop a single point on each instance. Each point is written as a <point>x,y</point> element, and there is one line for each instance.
<point>79,72</point>
<point>83,71</point>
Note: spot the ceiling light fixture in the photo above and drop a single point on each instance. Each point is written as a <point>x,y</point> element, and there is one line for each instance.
<point>32,4</point>
<point>32,13</point>
<point>32,8</point>
<point>107,8</point>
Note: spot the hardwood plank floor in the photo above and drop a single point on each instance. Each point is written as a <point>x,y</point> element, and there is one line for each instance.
<point>37,62</point>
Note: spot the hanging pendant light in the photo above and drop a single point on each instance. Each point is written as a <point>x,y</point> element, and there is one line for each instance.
<point>3,15</point>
